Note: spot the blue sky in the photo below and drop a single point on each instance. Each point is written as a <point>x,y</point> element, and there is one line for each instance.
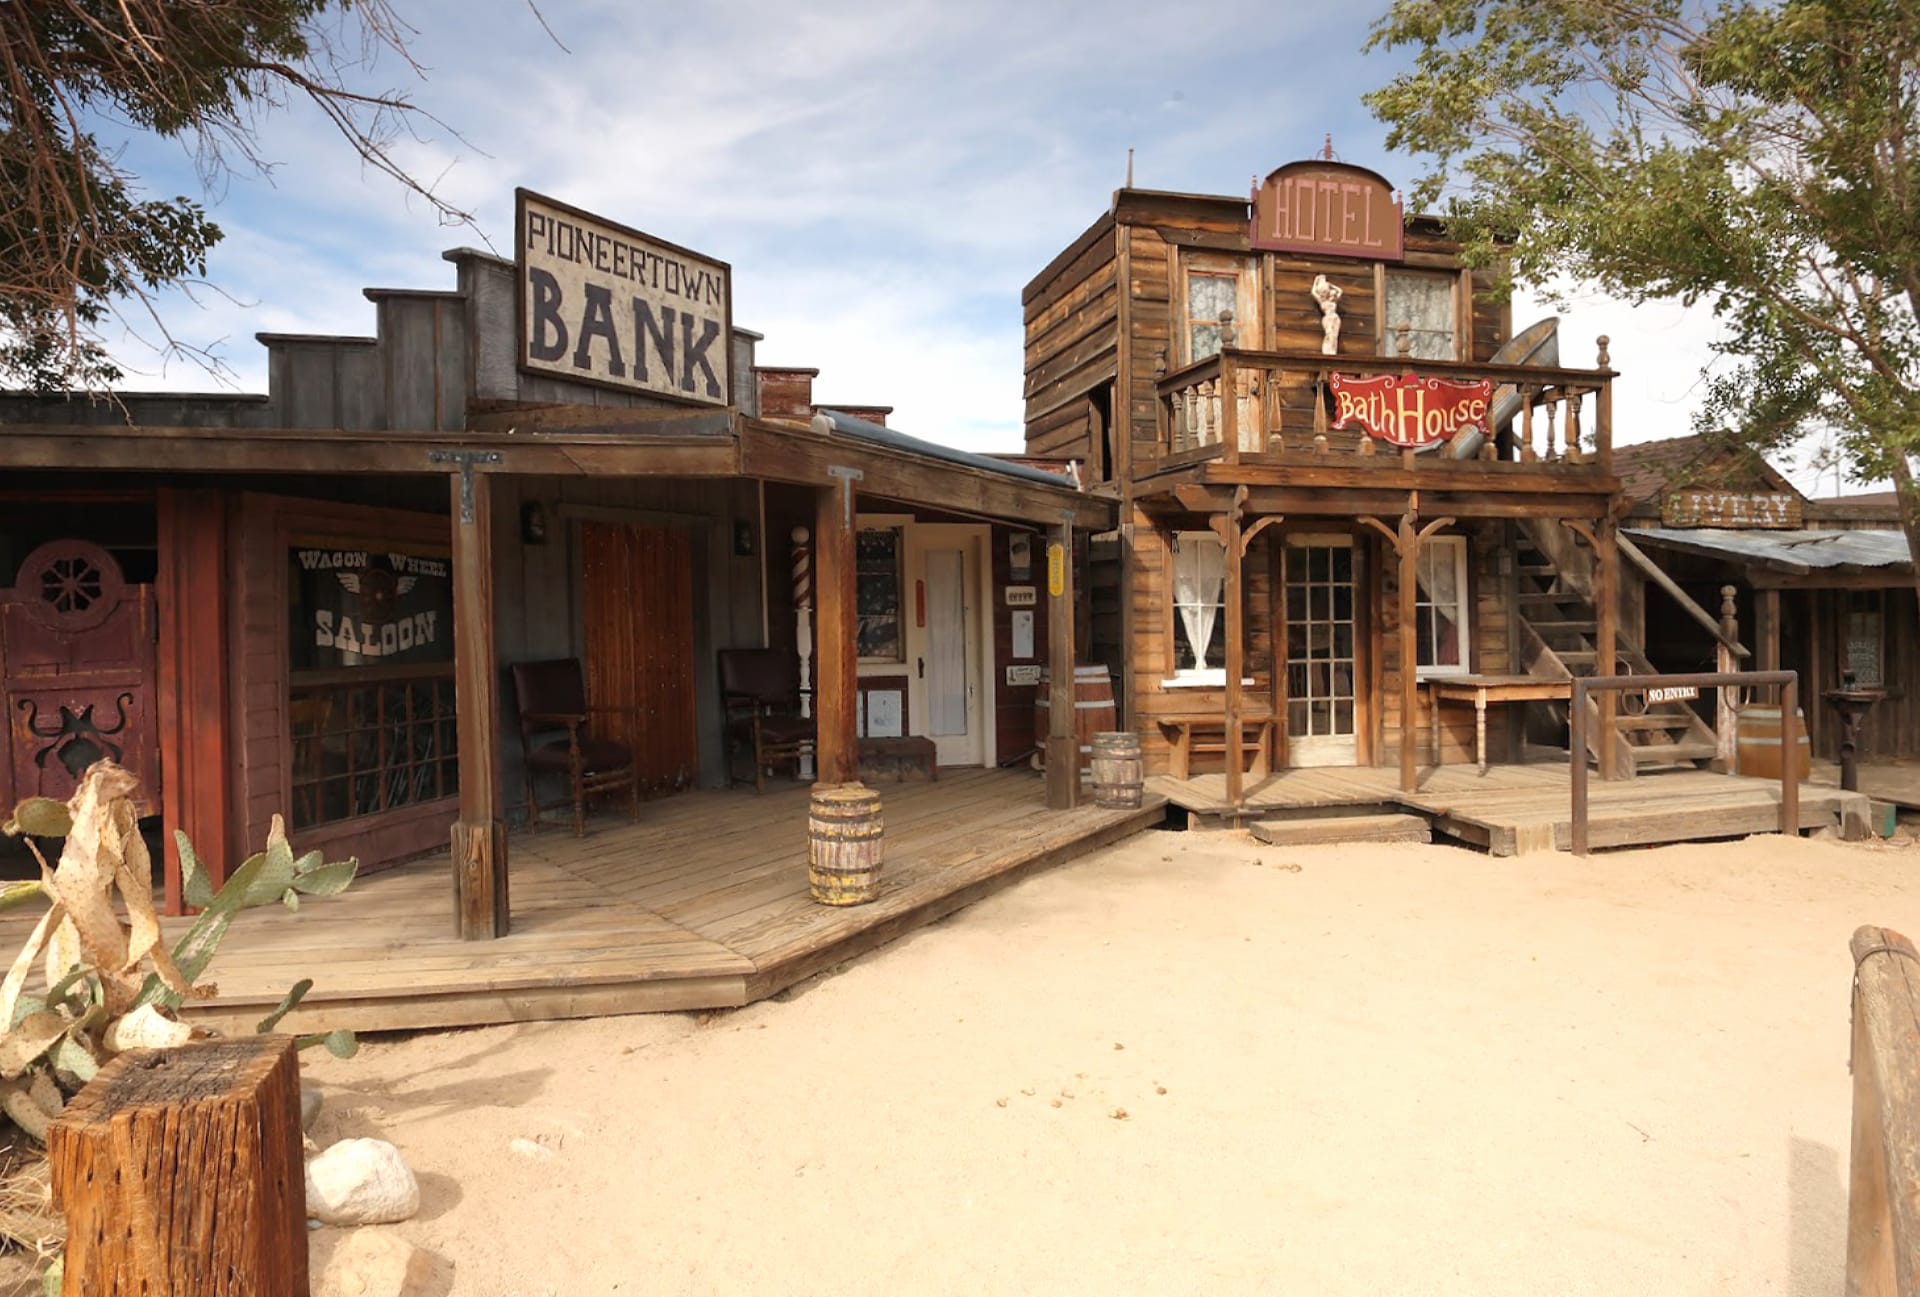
<point>883,178</point>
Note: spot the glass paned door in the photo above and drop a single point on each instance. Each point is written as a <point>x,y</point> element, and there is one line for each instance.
<point>1320,651</point>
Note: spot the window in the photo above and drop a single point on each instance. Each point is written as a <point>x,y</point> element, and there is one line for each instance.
<point>1426,303</point>
<point>1440,607</point>
<point>370,704</point>
<point>1210,305</point>
<point>1864,666</point>
<point>882,633</point>
<point>1199,608</point>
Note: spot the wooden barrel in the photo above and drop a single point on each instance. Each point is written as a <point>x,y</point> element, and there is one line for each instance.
<point>1093,709</point>
<point>1756,748</point>
<point>1117,770</point>
<point>844,831</point>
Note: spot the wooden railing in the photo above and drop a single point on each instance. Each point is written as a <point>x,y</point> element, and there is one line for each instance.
<point>1267,405</point>
<point>1883,1196</point>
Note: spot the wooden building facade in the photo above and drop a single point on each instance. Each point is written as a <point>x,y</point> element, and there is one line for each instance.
<point>312,597</point>
<point>1316,522</point>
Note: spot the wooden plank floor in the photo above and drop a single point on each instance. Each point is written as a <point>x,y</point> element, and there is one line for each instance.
<point>1518,808</point>
<point>1884,781</point>
<point>702,904</point>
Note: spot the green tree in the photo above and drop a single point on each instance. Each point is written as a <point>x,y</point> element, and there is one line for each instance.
<point>1760,158</point>
<point>78,240</point>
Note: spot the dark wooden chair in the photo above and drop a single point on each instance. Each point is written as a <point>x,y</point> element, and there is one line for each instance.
<point>760,692</point>
<point>557,737</point>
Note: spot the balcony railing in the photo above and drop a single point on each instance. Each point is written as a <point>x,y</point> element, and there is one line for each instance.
<point>1276,407</point>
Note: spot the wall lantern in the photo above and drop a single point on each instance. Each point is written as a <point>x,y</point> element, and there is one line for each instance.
<point>745,542</point>
<point>533,523</point>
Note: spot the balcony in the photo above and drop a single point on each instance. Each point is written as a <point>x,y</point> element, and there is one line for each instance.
<point>1246,410</point>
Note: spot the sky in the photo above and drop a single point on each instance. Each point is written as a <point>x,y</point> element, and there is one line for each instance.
<point>883,178</point>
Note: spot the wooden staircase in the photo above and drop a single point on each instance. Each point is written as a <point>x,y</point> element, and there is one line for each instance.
<point>1559,640</point>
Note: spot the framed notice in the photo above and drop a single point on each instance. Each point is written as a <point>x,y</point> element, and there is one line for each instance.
<point>1022,632</point>
<point>604,304</point>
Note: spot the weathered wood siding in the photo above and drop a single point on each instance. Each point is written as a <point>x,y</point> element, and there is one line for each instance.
<point>1072,317</point>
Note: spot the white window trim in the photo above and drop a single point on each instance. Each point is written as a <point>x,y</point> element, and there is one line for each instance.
<point>1462,629</point>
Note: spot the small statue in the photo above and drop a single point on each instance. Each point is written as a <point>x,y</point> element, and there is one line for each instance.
<point>1328,295</point>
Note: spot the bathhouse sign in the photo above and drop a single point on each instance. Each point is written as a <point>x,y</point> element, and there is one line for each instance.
<point>604,304</point>
<point>1409,411</point>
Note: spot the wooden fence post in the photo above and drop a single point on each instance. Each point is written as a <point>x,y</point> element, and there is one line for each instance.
<point>1883,1198</point>
<point>179,1173</point>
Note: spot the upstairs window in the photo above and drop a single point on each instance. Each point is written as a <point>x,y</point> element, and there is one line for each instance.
<point>1428,304</point>
<point>1210,305</point>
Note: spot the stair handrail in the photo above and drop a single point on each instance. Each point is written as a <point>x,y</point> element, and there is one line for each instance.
<point>1660,578</point>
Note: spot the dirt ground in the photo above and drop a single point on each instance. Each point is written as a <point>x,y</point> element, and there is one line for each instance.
<point>1192,1064</point>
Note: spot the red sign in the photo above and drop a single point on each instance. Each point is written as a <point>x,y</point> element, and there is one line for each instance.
<point>1328,209</point>
<point>1412,412</point>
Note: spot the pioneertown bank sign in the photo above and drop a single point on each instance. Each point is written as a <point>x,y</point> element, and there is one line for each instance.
<point>604,304</point>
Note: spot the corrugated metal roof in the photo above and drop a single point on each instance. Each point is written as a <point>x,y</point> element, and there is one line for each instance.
<point>1787,551</point>
<point>846,425</point>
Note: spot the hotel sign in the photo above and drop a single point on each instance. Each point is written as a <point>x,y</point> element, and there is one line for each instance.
<point>1328,209</point>
<point>603,304</point>
<point>1409,411</point>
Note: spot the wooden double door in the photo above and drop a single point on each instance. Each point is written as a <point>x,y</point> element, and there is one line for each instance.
<point>638,610</point>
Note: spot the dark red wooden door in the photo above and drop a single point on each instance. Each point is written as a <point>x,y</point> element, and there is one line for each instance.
<point>639,622</point>
<point>76,674</point>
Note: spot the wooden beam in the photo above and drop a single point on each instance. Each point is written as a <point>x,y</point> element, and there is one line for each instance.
<point>1767,629</point>
<point>836,647</point>
<point>481,908</point>
<point>1606,599</point>
<point>1407,542</point>
<point>1063,742</point>
<point>193,669</point>
<point>1236,654</point>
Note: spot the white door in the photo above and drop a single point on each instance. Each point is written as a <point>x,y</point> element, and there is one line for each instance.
<point>945,642</point>
<point>1320,651</point>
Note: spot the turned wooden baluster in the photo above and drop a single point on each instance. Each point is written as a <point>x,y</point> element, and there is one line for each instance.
<point>1528,395</point>
<point>1575,454</point>
<point>1553,444</point>
<point>1246,383</point>
<point>1208,433</point>
<point>1403,338</point>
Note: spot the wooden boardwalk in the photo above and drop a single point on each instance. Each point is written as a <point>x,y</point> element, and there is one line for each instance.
<point>703,904</point>
<point>1514,809</point>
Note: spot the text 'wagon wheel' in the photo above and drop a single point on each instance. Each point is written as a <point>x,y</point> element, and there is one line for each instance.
<point>70,585</point>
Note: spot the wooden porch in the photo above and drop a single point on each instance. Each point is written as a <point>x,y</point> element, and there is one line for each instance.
<point>1515,809</point>
<point>701,905</point>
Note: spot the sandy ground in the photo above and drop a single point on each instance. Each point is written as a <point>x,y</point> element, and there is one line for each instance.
<point>1192,1064</point>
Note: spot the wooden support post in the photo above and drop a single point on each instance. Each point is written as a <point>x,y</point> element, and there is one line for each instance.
<point>1603,409</point>
<point>1408,543</point>
<point>191,688</point>
<point>1606,599</point>
<point>1063,743</point>
<point>836,647</point>
<point>179,1174</point>
<point>1883,1225</point>
<point>1724,696</point>
<point>480,905</point>
<point>1236,654</point>
<point>1767,628</point>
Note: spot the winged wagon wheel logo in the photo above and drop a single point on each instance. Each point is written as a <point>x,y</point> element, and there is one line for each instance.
<point>379,590</point>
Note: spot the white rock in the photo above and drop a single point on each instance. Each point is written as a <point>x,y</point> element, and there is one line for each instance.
<point>145,1028</point>
<point>532,1149</point>
<point>309,1104</point>
<point>368,1263</point>
<point>361,1182</point>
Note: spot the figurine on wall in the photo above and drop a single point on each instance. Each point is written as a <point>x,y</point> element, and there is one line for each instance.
<point>1328,295</point>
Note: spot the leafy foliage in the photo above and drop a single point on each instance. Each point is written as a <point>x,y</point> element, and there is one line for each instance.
<point>76,236</point>
<point>1759,158</point>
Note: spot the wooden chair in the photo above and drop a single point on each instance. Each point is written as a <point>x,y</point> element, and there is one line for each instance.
<point>551,697</point>
<point>760,693</point>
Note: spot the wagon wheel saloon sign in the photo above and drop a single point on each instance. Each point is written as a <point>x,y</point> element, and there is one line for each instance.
<point>1411,411</point>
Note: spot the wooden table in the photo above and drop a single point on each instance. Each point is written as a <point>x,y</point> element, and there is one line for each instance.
<point>1481,690</point>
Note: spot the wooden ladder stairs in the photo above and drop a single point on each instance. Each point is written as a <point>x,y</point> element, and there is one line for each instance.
<point>1559,641</point>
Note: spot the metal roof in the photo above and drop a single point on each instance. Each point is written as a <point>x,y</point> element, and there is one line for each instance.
<point>845,425</point>
<point>1799,552</point>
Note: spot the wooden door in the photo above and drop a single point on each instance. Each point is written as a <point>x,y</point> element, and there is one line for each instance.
<point>950,663</point>
<point>1323,684</point>
<point>638,600</point>
<point>76,674</point>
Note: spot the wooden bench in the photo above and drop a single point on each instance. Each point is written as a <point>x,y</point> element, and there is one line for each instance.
<point>898,754</point>
<point>1207,736</point>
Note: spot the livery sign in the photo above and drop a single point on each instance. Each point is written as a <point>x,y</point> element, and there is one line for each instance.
<point>1409,411</point>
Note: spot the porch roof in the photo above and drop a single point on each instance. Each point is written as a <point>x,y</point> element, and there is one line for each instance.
<point>1795,553</point>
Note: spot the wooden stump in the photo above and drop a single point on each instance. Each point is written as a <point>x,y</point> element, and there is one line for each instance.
<point>179,1172</point>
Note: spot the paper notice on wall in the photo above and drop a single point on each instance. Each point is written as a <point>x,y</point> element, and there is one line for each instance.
<point>1022,632</point>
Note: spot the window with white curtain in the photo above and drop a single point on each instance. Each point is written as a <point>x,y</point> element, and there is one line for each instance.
<point>1210,299</point>
<point>1426,303</point>
<point>1440,607</point>
<point>1199,608</point>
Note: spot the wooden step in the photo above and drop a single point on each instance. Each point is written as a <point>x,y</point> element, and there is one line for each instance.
<point>1571,627</point>
<point>1536,569</point>
<point>1654,721</point>
<point>1661,754</point>
<point>1342,828</point>
<point>1551,596</point>
<point>1576,657</point>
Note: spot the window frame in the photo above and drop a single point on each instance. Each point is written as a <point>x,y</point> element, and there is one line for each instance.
<point>1459,283</point>
<point>1878,611</point>
<point>1244,271</point>
<point>1191,677</point>
<point>1463,623</point>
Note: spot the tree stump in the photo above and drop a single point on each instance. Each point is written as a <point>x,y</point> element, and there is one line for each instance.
<point>179,1172</point>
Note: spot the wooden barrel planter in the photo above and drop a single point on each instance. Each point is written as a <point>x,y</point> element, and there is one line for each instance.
<point>1117,770</point>
<point>844,831</point>
<point>1093,710</point>
<point>1756,748</point>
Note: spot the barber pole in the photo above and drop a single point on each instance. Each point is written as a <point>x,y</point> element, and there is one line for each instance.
<point>803,629</point>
